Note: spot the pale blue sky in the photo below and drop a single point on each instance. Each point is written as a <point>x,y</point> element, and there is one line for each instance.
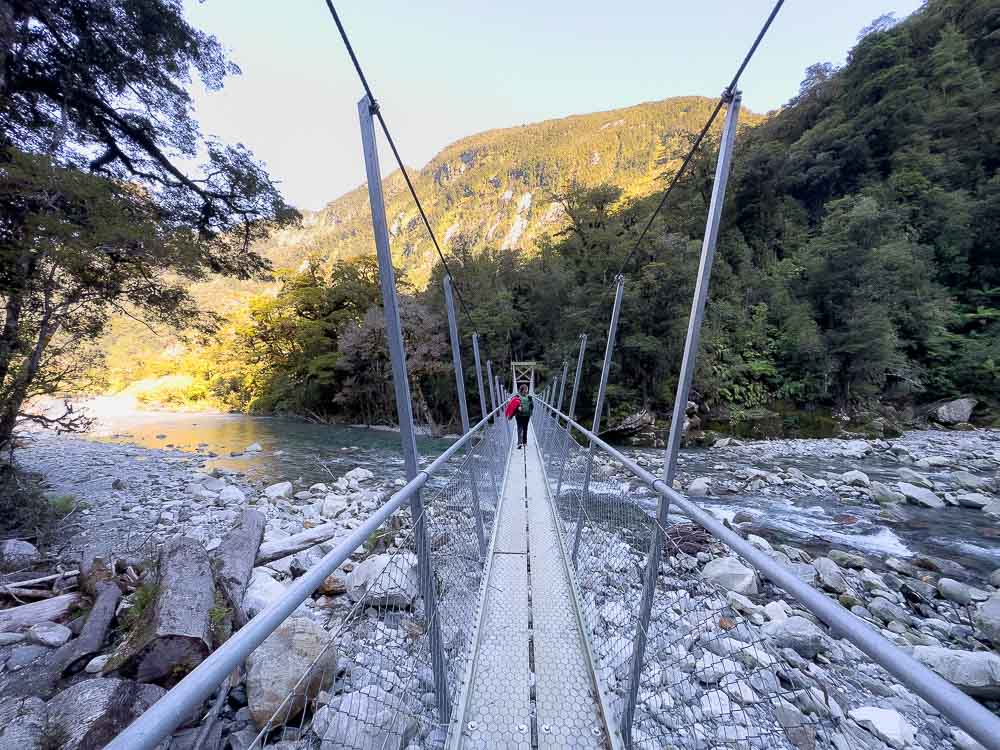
<point>447,69</point>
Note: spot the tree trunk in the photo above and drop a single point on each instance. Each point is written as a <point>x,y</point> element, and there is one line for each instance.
<point>49,610</point>
<point>176,632</point>
<point>270,551</point>
<point>233,563</point>
<point>74,655</point>
<point>89,714</point>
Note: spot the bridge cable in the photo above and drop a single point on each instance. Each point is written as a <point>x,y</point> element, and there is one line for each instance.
<point>376,110</point>
<point>727,95</point>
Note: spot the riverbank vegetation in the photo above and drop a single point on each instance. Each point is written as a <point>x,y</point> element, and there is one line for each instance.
<point>857,263</point>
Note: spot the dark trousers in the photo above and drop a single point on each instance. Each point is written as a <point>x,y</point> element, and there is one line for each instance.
<point>522,429</point>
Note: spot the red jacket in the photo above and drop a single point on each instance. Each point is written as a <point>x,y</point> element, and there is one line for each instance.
<point>512,406</point>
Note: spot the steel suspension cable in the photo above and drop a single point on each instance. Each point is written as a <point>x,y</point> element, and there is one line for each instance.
<point>377,112</point>
<point>727,95</point>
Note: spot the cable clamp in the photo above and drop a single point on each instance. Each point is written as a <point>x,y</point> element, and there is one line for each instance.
<point>728,95</point>
<point>373,107</point>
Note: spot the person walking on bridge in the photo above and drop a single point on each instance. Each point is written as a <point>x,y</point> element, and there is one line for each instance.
<point>522,413</point>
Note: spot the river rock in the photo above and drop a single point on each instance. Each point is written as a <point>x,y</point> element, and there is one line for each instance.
<point>959,592</point>
<point>89,714</point>
<point>22,723</point>
<point>993,509</point>
<point>964,741</point>
<point>15,553</point>
<point>912,477</point>
<point>995,578</point>
<point>971,481</point>
<point>731,574</point>
<point>333,506</point>
<point>886,724</point>
<point>368,719</point>
<point>847,559</point>
<point>279,490</point>
<point>856,478</point>
<point>975,500</point>
<point>253,448</point>
<point>261,592</point>
<point>974,672</point>
<point>298,646</point>
<point>359,474</point>
<point>987,619</point>
<point>700,487</point>
<point>798,634</point>
<point>920,496</point>
<point>954,412</point>
<point>830,575</point>
<point>387,580</point>
<point>232,494</point>
<point>886,611</point>
<point>882,493</point>
<point>49,634</point>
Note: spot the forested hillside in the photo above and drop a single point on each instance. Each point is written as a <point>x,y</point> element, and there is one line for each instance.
<point>857,265</point>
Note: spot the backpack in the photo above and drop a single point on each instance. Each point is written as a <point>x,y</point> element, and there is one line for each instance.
<point>524,408</point>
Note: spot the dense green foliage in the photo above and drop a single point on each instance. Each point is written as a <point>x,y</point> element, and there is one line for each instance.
<point>99,211</point>
<point>857,262</point>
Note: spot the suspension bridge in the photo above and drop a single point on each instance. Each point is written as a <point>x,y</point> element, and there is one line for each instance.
<point>558,596</point>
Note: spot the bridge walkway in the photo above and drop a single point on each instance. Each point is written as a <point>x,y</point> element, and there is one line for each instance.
<point>531,682</point>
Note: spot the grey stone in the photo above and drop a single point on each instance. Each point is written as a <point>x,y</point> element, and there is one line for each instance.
<point>955,412</point>
<point>987,619</point>
<point>798,728</point>
<point>261,592</point>
<point>847,559</point>
<point>731,574</point>
<point>886,611</point>
<point>232,494</point>
<point>49,634</point>
<point>387,580</point>
<point>368,719</point>
<point>700,487</point>
<point>974,672</point>
<point>912,477</point>
<point>16,553</point>
<point>920,496</point>
<point>9,639</point>
<point>279,490</point>
<point>298,647</point>
<point>830,575</point>
<point>798,634</point>
<point>886,724</point>
<point>24,655</point>
<point>963,741</point>
<point>995,578</point>
<point>975,500</point>
<point>959,592</point>
<point>856,478</point>
<point>23,723</point>
<point>884,494</point>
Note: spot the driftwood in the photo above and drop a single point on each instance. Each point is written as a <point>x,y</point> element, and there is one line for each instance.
<point>74,655</point>
<point>233,563</point>
<point>47,610</point>
<point>175,632</point>
<point>90,714</point>
<point>43,579</point>
<point>270,551</point>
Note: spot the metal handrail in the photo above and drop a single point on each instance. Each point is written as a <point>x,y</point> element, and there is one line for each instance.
<point>968,714</point>
<point>181,701</point>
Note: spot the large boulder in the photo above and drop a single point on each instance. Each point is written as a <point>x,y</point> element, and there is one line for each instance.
<point>387,580</point>
<point>298,648</point>
<point>974,672</point>
<point>368,719</point>
<point>700,487</point>
<point>281,489</point>
<point>23,723</point>
<point>887,611</point>
<point>798,634</point>
<point>261,592</point>
<point>987,619</point>
<point>886,724</point>
<point>971,481</point>
<point>855,478</point>
<point>954,412</point>
<point>91,713</point>
<point>730,573</point>
<point>882,493</point>
<point>920,496</point>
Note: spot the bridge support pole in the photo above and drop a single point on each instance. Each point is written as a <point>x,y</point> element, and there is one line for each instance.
<point>680,404</point>
<point>571,413</point>
<point>598,408</point>
<point>479,376</point>
<point>404,407</point>
<point>492,384</point>
<point>463,408</point>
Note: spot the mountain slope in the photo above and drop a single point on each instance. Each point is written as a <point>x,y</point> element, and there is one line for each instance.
<point>497,188</point>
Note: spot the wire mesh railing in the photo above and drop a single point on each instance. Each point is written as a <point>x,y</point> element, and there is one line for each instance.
<point>738,653</point>
<point>373,681</point>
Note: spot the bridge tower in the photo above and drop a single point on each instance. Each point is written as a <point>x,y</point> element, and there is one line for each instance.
<point>524,374</point>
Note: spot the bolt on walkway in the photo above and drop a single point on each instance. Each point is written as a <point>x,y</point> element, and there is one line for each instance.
<point>531,682</point>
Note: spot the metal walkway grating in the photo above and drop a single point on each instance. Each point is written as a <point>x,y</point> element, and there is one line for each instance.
<point>531,684</point>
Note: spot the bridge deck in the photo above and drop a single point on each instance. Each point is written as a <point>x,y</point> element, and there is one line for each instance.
<point>531,684</point>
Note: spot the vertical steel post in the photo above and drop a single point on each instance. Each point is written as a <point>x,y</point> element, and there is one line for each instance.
<point>492,383</point>
<point>546,430</point>
<point>680,403</point>
<point>572,411</point>
<point>598,408</point>
<point>404,408</point>
<point>562,385</point>
<point>463,409</point>
<point>456,354</point>
<point>479,376</point>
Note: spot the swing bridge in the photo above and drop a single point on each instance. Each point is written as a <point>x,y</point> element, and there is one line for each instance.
<point>555,596</point>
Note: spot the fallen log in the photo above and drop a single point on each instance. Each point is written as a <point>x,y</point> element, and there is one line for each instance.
<point>19,593</point>
<point>74,655</point>
<point>174,634</point>
<point>270,551</point>
<point>43,579</point>
<point>90,714</point>
<point>47,610</point>
<point>233,563</point>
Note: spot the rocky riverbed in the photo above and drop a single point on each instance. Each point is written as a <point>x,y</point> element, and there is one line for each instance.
<point>900,532</point>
